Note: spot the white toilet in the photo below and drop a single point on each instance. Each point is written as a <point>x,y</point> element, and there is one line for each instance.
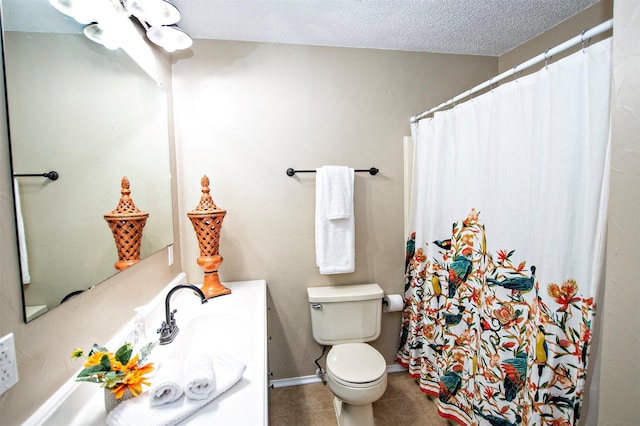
<point>345,317</point>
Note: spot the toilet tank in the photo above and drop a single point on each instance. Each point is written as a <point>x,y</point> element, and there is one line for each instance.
<point>345,313</point>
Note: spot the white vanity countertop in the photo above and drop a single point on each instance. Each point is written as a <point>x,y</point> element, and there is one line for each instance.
<point>243,329</point>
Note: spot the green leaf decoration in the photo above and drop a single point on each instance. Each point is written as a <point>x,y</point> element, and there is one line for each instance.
<point>91,371</point>
<point>105,363</point>
<point>123,354</point>
<point>90,379</point>
<point>112,378</point>
<point>145,351</point>
<point>110,375</point>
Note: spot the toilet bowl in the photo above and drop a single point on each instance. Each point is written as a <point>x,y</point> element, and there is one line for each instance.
<point>346,317</point>
<point>356,373</point>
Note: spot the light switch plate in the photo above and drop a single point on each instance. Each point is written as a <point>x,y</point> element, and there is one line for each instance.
<point>8,363</point>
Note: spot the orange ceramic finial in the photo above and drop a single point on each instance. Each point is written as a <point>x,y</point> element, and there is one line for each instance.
<point>126,222</point>
<point>207,219</point>
<point>206,202</point>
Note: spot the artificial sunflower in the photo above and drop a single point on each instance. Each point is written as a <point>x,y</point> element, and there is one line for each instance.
<point>117,371</point>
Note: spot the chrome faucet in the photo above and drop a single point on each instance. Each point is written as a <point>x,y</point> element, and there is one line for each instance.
<point>169,329</point>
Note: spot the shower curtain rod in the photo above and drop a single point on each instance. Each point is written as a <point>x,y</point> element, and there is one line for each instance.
<point>543,57</point>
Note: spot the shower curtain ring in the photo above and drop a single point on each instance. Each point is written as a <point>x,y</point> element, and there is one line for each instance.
<point>515,73</point>
<point>582,38</point>
<point>546,58</point>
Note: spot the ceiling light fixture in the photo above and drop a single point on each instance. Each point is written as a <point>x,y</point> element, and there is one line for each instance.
<point>154,12</point>
<point>170,37</point>
<point>96,32</point>
<point>157,17</point>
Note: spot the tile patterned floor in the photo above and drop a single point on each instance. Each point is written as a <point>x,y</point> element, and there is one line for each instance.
<point>312,405</point>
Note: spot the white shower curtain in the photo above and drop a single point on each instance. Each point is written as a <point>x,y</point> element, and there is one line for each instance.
<point>506,245</point>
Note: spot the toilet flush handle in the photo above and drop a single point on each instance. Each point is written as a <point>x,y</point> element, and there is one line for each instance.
<point>316,306</point>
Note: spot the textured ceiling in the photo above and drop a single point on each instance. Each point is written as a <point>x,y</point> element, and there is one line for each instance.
<point>477,27</point>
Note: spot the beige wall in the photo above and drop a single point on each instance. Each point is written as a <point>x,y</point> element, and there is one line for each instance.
<point>620,375</point>
<point>571,27</point>
<point>43,346</point>
<point>245,112</point>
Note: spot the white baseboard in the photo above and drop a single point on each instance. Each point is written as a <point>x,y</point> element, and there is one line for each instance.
<point>305,380</point>
<point>396,368</point>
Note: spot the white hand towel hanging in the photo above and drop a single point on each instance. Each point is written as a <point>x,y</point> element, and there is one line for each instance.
<point>22,240</point>
<point>337,190</point>
<point>335,221</point>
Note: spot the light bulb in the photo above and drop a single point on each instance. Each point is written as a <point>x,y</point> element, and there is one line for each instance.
<point>155,12</point>
<point>171,38</point>
<point>98,34</point>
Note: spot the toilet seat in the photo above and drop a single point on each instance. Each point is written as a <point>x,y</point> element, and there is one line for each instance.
<point>356,385</point>
<point>356,365</point>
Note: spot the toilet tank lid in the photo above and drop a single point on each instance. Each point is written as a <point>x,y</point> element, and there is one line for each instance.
<point>343,293</point>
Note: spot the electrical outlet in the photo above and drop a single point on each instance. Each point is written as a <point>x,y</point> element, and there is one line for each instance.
<point>170,255</point>
<point>8,364</point>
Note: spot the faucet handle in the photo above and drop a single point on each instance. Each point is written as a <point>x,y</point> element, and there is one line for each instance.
<point>162,328</point>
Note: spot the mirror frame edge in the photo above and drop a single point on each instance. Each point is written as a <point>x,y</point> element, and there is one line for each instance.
<point>6,136</point>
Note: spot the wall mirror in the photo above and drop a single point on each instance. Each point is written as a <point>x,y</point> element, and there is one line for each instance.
<point>93,116</point>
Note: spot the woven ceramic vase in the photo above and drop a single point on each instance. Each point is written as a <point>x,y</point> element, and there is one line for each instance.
<point>207,219</point>
<point>126,223</point>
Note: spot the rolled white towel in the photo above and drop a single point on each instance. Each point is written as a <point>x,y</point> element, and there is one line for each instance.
<point>167,384</point>
<point>135,411</point>
<point>199,378</point>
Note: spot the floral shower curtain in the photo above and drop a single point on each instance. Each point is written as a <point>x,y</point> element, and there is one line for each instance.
<point>505,255</point>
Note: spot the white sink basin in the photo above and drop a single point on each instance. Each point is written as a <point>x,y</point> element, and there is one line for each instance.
<point>212,333</point>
